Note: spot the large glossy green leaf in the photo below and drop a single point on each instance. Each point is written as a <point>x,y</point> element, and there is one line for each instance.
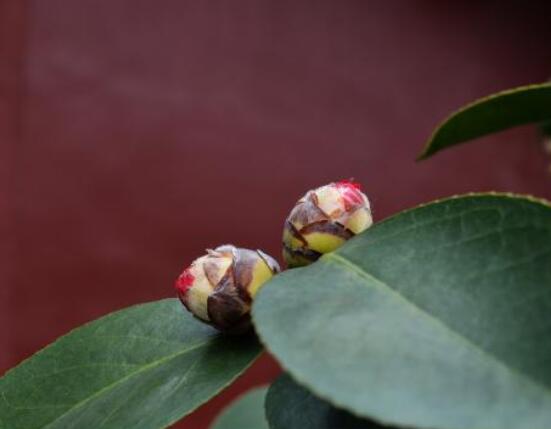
<point>497,112</point>
<point>437,317</point>
<point>143,367</point>
<point>290,406</point>
<point>247,412</point>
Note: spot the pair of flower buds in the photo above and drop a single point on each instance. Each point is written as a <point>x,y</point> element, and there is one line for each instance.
<point>219,287</point>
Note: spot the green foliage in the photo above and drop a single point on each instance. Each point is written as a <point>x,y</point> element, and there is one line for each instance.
<point>498,112</point>
<point>290,406</point>
<point>437,317</point>
<point>247,412</point>
<point>143,367</point>
<point>546,128</point>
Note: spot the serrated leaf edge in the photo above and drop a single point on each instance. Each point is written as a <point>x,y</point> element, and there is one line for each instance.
<point>303,382</point>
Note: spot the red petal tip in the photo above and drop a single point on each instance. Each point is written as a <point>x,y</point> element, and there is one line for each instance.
<point>351,193</point>
<point>349,184</point>
<point>185,281</point>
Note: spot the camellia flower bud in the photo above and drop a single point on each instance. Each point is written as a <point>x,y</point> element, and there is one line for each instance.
<point>322,220</point>
<point>219,287</point>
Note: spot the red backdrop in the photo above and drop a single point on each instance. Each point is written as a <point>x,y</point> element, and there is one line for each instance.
<point>134,134</point>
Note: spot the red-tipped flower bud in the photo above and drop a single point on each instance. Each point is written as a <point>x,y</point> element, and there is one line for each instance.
<point>322,220</point>
<point>218,288</point>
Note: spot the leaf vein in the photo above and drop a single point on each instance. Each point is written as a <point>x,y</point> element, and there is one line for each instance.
<point>337,259</point>
<point>128,376</point>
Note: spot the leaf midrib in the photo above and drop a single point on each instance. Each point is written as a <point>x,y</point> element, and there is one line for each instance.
<point>338,259</point>
<point>144,368</point>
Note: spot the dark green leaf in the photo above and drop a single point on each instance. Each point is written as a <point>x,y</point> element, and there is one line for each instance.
<point>143,367</point>
<point>290,406</point>
<point>437,317</point>
<point>546,128</point>
<point>498,112</point>
<point>247,412</point>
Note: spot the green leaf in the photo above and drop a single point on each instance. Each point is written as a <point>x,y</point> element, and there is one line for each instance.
<point>247,412</point>
<point>437,317</point>
<point>497,112</point>
<point>290,406</point>
<point>546,128</point>
<point>143,367</point>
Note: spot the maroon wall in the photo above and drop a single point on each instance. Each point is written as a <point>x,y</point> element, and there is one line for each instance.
<point>134,134</point>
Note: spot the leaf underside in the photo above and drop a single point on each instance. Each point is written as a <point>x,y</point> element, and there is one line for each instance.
<point>247,412</point>
<point>437,317</point>
<point>290,406</point>
<point>143,367</point>
<point>498,112</point>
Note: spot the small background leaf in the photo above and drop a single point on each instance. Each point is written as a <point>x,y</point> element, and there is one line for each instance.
<point>290,406</point>
<point>498,112</point>
<point>546,128</point>
<point>437,317</point>
<point>246,412</point>
<point>143,367</point>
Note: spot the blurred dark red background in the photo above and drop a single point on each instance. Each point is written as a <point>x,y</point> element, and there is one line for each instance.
<point>134,134</point>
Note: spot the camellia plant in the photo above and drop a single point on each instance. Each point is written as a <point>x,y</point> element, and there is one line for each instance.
<point>437,317</point>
